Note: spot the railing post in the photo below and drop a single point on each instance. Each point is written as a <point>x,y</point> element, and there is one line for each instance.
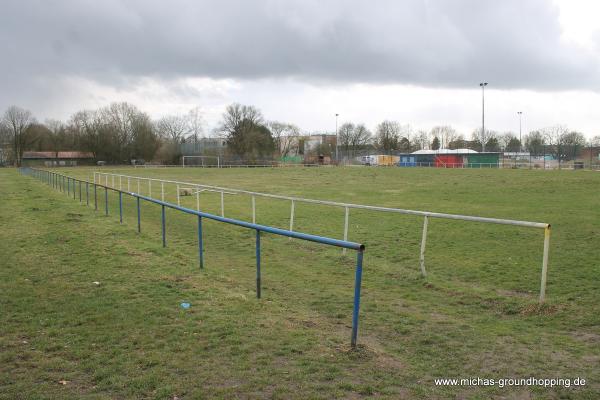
<point>357,284</point>
<point>87,194</point>
<point>257,264</point>
<point>423,243</point>
<point>95,197</point>
<point>74,188</point>
<point>545,264</point>
<point>292,210</point>
<point>139,215</point>
<point>346,228</point>
<point>105,200</point>
<point>200,243</point>
<point>222,205</point>
<point>198,198</point>
<point>164,236</point>
<point>80,191</point>
<point>120,207</point>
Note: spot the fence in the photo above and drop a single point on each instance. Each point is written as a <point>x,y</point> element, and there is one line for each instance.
<point>70,185</point>
<point>274,165</point>
<point>119,178</point>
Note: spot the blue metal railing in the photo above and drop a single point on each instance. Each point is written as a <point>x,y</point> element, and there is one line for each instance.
<point>66,183</point>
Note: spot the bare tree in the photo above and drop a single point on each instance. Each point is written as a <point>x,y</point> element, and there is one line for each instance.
<point>483,137</point>
<point>444,133</point>
<point>344,136</point>
<point>360,137</point>
<point>17,122</point>
<point>421,140</point>
<point>195,124</point>
<point>553,136</point>
<point>387,136</point>
<point>172,128</point>
<point>88,125</point>
<point>285,136</point>
<point>119,118</point>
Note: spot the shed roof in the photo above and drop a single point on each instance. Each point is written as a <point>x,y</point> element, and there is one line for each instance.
<point>53,155</point>
<point>445,151</point>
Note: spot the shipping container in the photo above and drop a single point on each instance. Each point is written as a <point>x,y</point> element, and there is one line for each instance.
<point>407,160</point>
<point>483,160</point>
<point>449,161</point>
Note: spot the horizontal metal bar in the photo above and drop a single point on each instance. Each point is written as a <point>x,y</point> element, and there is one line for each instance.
<point>500,221</point>
<point>249,225</point>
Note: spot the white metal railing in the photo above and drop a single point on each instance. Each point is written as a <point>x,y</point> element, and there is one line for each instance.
<point>347,206</point>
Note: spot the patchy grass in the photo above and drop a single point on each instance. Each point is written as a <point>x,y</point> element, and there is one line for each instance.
<point>475,316</point>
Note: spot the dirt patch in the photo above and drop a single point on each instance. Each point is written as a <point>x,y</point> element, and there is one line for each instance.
<point>74,217</point>
<point>539,309</point>
<point>587,337</point>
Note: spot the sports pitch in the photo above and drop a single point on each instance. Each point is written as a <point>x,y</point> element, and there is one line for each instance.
<point>475,315</point>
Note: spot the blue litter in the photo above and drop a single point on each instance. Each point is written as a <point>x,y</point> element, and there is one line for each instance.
<point>185,305</point>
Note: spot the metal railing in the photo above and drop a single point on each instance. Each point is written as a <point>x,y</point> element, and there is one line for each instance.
<point>281,165</point>
<point>121,179</point>
<point>74,186</point>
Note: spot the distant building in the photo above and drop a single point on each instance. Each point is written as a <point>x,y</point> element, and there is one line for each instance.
<point>58,158</point>
<point>591,153</point>
<point>313,142</point>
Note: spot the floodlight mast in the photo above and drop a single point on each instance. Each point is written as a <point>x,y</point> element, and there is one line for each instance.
<point>483,85</point>
<point>336,138</point>
<point>520,143</point>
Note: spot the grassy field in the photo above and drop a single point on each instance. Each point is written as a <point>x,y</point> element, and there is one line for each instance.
<point>475,315</point>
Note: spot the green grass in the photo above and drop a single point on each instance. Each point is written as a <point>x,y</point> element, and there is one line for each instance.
<point>474,316</point>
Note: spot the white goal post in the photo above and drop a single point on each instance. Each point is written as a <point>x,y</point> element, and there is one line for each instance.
<point>202,160</point>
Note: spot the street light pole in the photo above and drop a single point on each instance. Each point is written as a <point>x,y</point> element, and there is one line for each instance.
<point>520,143</point>
<point>336,138</point>
<point>483,85</point>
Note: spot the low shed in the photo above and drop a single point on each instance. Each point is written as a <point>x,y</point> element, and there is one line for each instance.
<point>57,158</point>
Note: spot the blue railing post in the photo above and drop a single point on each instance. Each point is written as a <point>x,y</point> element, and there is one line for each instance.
<point>74,188</point>
<point>357,284</point>
<point>120,207</point>
<point>105,200</point>
<point>200,243</point>
<point>138,215</point>
<point>257,264</point>
<point>164,236</point>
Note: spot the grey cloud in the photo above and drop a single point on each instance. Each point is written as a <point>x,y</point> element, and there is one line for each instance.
<point>512,43</point>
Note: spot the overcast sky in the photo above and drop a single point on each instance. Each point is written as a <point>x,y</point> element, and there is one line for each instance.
<point>415,61</point>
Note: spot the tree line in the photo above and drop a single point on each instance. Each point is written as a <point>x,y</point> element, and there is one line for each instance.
<point>120,132</point>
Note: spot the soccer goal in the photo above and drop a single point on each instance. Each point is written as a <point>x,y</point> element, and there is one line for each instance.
<point>196,161</point>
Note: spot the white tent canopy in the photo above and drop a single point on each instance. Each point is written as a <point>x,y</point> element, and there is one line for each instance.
<point>444,151</point>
